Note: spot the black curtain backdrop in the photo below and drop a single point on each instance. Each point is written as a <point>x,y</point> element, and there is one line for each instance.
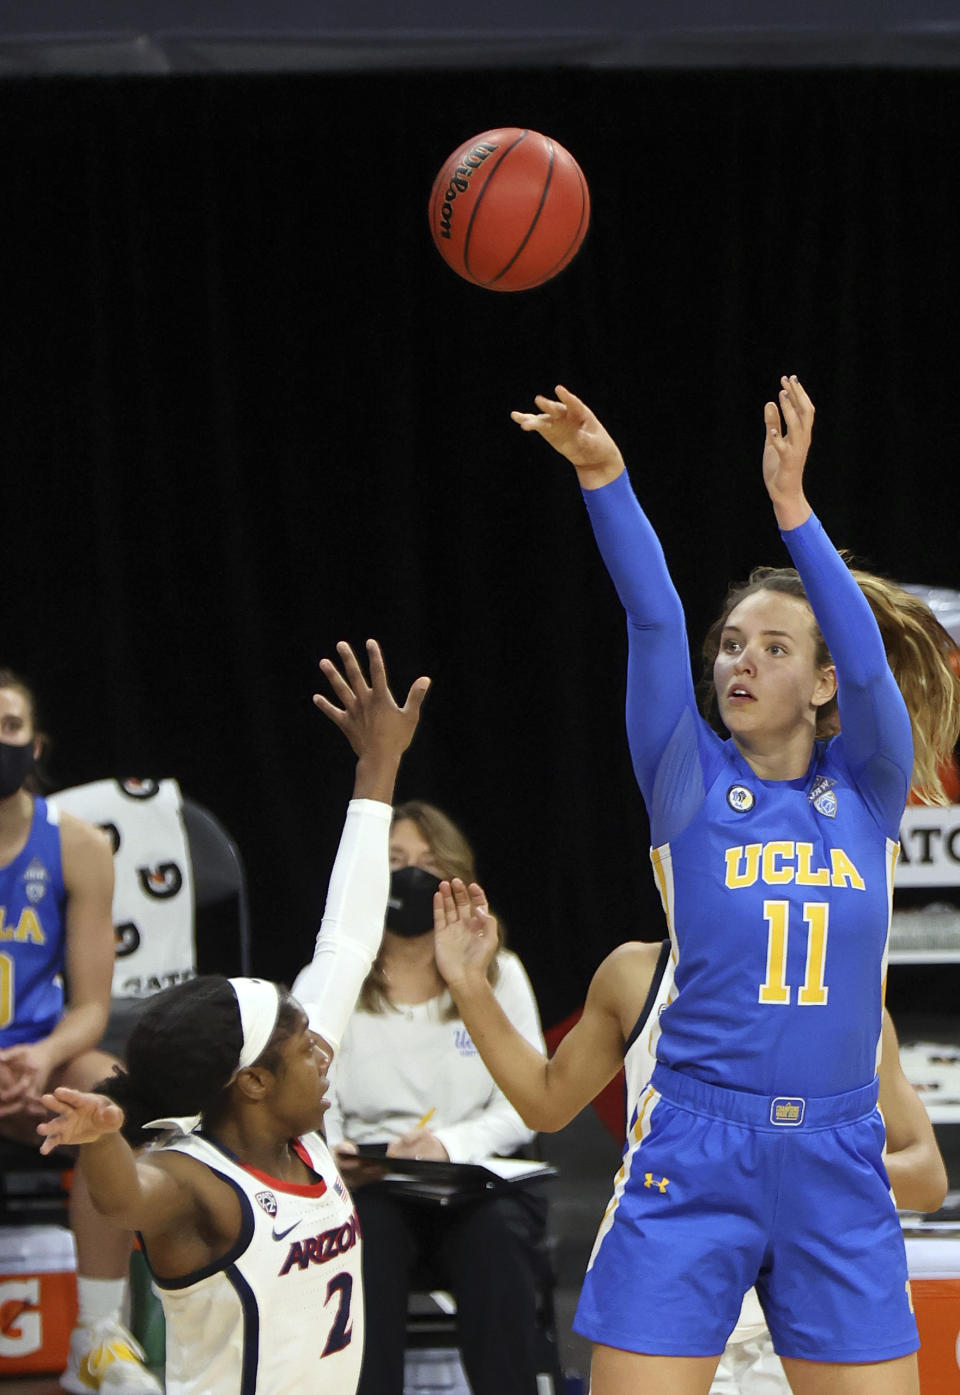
<point>247,411</point>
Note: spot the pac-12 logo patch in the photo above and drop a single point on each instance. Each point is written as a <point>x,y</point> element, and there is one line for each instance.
<point>823,798</point>
<point>268,1202</point>
<point>35,880</point>
<point>740,799</point>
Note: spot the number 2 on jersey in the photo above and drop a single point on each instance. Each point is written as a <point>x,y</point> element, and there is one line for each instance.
<point>813,991</point>
<point>342,1329</point>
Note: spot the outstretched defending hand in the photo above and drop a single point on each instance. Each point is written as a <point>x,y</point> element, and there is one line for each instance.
<point>464,932</point>
<point>81,1118</point>
<point>573,430</point>
<point>377,728</point>
<point>785,453</point>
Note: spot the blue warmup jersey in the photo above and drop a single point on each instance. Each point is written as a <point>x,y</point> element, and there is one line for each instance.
<point>32,934</point>
<point>777,893</point>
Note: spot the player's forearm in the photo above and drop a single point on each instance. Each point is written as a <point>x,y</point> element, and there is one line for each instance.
<point>110,1170</point>
<point>352,925</point>
<point>918,1177</point>
<point>80,1029</point>
<point>376,775</point>
<point>520,1070</point>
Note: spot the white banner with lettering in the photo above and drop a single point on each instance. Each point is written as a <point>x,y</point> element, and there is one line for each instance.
<point>929,847</point>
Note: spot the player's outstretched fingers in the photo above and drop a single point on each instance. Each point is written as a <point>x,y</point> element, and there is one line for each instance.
<point>378,669</point>
<point>460,895</point>
<point>771,422</point>
<point>418,691</point>
<point>337,682</point>
<point>351,666</point>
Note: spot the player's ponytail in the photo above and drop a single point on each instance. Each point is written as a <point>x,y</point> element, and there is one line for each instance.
<point>180,1055</point>
<point>923,659</point>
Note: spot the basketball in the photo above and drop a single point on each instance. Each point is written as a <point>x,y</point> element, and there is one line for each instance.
<point>509,209</point>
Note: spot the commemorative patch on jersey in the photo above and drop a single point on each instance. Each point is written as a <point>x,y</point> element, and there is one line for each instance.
<point>823,798</point>
<point>35,881</point>
<point>740,799</point>
<point>267,1202</point>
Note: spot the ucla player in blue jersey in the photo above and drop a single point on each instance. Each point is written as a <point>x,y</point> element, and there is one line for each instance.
<point>619,1027</point>
<point>774,852</point>
<point>56,886</point>
<point>249,1230</point>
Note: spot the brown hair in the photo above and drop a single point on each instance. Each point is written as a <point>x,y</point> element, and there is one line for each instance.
<point>453,857</point>
<point>36,782</point>
<point>9,679</point>
<point>183,1052</point>
<point>919,652</point>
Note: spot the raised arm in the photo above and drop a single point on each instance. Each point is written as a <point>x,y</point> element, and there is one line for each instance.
<point>546,1092</point>
<point>659,681</point>
<point>379,731</point>
<point>877,741</point>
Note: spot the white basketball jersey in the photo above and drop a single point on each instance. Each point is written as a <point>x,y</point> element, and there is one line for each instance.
<point>282,1312</point>
<point>639,1058</point>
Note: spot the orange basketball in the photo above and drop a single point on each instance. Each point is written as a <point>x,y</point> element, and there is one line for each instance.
<point>509,209</point>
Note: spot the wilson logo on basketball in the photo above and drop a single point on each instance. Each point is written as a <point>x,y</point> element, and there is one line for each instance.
<point>459,181</point>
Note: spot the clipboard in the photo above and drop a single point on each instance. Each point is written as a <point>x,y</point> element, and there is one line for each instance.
<point>445,1183</point>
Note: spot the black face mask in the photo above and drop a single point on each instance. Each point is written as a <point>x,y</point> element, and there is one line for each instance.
<point>16,763</point>
<point>410,903</point>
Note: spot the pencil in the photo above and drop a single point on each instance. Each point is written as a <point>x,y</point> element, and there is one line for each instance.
<point>422,1124</point>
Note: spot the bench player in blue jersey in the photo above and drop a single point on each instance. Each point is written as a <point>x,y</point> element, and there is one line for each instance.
<point>774,852</point>
<point>56,885</point>
<point>619,1026</point>
<point>250,1233</point>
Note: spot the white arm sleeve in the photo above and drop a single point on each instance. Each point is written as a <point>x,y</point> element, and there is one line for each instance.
<point>352,925</point>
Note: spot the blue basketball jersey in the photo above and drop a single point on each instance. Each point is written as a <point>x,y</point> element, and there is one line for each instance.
<point>780,942</point>
<point>32,933</point>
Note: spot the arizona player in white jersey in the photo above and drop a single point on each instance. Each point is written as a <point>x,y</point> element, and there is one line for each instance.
<point>620,1026</point>
<point>774,852</point>
<point>249,1231</point>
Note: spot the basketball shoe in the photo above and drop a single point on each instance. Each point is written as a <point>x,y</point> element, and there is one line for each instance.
<point>106,1357</point>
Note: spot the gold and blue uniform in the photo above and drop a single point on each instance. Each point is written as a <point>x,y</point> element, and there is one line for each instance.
<point>755,1154</point>
<point>32,934</point>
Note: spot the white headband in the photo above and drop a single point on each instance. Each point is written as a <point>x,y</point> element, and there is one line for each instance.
<point>259,1002</point>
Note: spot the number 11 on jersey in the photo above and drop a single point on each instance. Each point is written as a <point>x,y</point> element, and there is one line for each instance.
<point>813,992</point>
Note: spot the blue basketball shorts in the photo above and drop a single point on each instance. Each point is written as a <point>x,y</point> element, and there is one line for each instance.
<point>720,1190</point>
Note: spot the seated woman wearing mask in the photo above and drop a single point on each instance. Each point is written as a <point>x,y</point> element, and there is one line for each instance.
<point>408,1075</point>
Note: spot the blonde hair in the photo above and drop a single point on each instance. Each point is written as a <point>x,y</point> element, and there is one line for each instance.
<point>921,654</point>
<point>453,857</point>
<point>922,657</point>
